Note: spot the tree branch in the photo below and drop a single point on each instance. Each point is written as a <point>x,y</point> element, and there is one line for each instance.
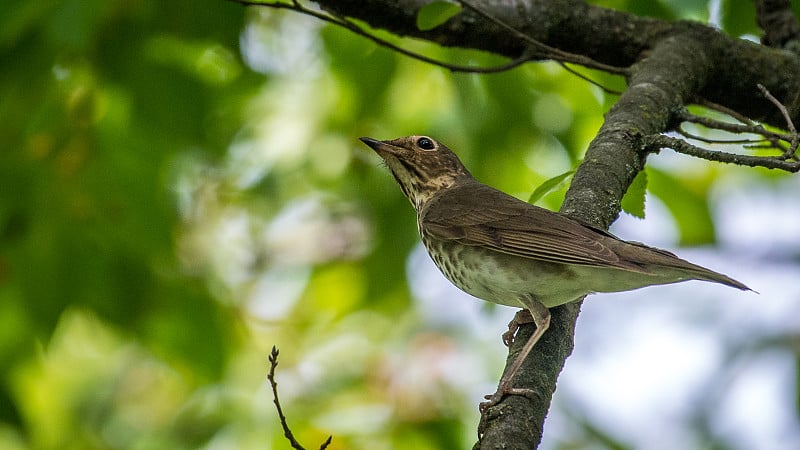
<point>791,151</point>
<point>352,26</point>
<point>606,36</point>
<point>657,142</point>
<point>287,432</point>
<point>786,143</point>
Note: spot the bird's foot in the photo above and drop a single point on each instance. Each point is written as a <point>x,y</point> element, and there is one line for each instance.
<point>522,317</point>
<point>495,398</point>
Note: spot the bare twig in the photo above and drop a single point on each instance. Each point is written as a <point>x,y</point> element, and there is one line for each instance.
<point>273,363</point>
<point>605,89</point>
<point>774,138</point>
<point>352,26</point>
<point>786,143</point>
<point>695,137</point>
<point>786,116</point>
<point>795,139</point>
<point>724,110</point>
<point>656,142</point>
<point>708,122</point>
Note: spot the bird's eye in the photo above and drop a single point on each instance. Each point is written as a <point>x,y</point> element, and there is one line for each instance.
<point>425,144</point>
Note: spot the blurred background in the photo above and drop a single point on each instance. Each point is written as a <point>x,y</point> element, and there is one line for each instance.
<point>181,188</point>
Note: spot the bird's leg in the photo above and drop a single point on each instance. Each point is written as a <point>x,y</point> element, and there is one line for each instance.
<point>541,317</point>
<point>522,317</point>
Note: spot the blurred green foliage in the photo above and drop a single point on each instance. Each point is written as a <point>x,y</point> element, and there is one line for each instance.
<point>181,188</point>
<point>99,100</point>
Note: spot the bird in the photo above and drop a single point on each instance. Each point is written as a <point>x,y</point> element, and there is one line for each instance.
<point>503,250</point>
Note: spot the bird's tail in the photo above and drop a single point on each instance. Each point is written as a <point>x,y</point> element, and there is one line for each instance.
<point>716,277</point>
<point>668,260</point>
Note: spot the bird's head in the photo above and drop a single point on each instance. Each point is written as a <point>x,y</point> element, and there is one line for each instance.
<point>421,165</point>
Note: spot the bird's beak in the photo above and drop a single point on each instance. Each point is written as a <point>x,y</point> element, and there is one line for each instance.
<point>379,146</point>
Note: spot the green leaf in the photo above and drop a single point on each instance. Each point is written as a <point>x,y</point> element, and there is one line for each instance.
<point>436,13</point>
<point>549,186</point>
<point>633,201</point>
<point>688,205</point>
<point>738,18</point>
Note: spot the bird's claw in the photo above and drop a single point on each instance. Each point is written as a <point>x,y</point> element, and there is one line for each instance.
<point>508,336</point>
<point>522,317</point>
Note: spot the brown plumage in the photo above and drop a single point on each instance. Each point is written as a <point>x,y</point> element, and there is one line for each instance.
<point>501,249</point>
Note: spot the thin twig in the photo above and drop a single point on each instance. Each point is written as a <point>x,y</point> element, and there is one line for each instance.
<point>793,142</point>
<point>708,122</point>
<point>273,363</point>
<point>762,146</point>
<point>659,141</point>
<point>352,26</point>
<point>775,139</point>
<point>605,89</point>
<point>786,116</point>
<point>695,137</point>
<point>786,143</point>
<point>724,110</point>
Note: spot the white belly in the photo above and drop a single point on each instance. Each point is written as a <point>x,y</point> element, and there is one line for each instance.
<point>504,279</point>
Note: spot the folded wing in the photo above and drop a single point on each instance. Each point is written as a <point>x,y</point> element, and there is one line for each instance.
<point>518,228</point>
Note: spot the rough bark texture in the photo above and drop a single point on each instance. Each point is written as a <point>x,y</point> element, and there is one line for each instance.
<point>670,64</point>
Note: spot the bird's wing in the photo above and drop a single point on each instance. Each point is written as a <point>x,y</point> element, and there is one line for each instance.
<point>505,224</point>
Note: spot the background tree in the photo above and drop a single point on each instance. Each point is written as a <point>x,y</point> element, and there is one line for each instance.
<point>182,189</point>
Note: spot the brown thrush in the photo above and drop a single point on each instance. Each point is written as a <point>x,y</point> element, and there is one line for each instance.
<point>504,250</point>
